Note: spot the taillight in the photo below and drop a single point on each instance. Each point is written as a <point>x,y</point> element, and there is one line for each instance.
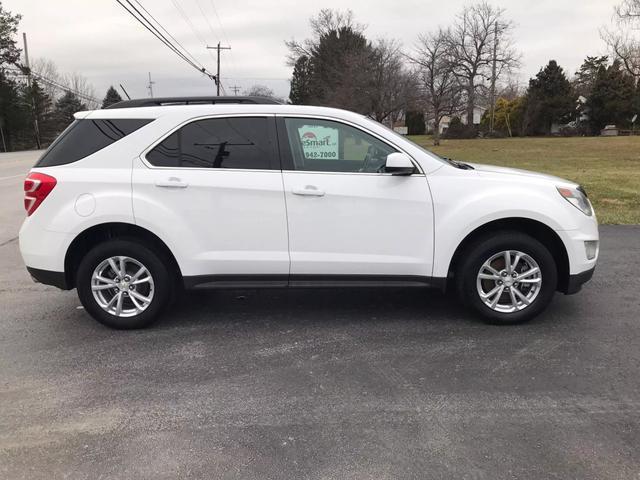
<point>36,188</point>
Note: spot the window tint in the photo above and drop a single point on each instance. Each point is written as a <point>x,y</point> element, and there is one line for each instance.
<point>240,142</point>
<point>326,146</point>
<point>85,137</point>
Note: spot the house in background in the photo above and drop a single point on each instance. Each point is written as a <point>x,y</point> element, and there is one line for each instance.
<point>478,112</point>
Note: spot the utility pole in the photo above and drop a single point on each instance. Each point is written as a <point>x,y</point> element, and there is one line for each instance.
<point>235,89</point>
<point>218,48</point>
<point>36,127</point>
<point>493,77</point>
<point>150,86</point>
<point>4,145</point>
<point>125,92</point>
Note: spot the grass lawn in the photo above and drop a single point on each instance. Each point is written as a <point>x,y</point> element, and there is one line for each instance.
<point>608,167</point>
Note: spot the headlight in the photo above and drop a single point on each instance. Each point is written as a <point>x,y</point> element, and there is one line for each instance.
<point>578,198</point>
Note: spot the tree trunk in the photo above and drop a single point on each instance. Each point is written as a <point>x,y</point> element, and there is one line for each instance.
<point>471,100</point>
<point>436,132</point>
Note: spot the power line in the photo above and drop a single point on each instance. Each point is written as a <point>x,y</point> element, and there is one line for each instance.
<point>167,32</point>
<point>189,23</point>
<point>204,15</point>
<point>156,33</point>
<point>66,89</point>
<point>270,79</point>
<point>149,26</point>
<point>143,21</point>
<point>215,12</point>
<point>55,84</point>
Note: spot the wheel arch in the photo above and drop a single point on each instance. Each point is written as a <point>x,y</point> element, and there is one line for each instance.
<point>96,234</point>
<point>538,230</point>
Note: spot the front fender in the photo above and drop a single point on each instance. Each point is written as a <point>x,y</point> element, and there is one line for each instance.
<point>463,203</point>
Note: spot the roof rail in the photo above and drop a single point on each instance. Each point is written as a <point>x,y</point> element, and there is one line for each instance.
<point>167,101</point>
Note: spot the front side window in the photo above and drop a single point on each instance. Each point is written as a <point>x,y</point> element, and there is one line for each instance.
<point>327,146</point>
<point>240,142</point>
<point>85,137</point>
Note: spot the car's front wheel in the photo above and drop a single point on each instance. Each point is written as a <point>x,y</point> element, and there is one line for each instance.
<point>507,277</point>
<point>123,284</point>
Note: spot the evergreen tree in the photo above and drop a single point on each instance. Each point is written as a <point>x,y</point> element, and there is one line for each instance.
<point>12,111</point>
<point>301,81</point>
<point>612,100</point>
<point>14,114</point>
<point>586,77</point>
<point>456,129</point>
<point>66,106</point>
<point>336,67</point>
<point>9,51</point>
<point>415,123</point>
<point>41,109</point>
<point>111,97</point>
<point>342,70</point>
<point>550,99</point>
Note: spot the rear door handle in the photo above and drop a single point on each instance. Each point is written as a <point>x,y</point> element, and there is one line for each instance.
<point>171,182</point>
<point>308,191</point>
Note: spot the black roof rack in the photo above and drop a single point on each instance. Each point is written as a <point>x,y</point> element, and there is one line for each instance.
<point>166,101</point>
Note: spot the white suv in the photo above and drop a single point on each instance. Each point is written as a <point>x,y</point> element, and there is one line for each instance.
<point>130,205</point>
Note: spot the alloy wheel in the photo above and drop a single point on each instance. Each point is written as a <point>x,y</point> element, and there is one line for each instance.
<point>509,281</point>
<point>122,286</point>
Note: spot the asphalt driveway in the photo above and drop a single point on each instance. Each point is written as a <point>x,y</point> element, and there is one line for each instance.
<point>344,384</point>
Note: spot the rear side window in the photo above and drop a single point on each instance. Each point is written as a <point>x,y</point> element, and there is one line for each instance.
<point>238,142</point>
<point>85,137</point>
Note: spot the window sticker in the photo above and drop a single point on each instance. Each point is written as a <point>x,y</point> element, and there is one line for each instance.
<point>319,142</point>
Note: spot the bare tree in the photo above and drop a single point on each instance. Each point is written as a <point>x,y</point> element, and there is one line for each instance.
<point>392,86</point>
<point>628,10</point>
<point>510,89</point>
<point>437,79</point>
<point>55,84</point>
<point>323,23</point>
<point>42,67</point>
<point>81,86</point>
<point>481,49</point>
<point>622,41</point>
<point>259,91</point>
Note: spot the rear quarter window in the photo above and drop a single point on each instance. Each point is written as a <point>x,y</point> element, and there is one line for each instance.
<point>85,137</point>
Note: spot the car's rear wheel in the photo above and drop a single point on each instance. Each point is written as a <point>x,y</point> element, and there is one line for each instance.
<point>123,284</point>
<point>507,277</point>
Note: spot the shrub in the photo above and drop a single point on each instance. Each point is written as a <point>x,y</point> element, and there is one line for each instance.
<point>457,129</point>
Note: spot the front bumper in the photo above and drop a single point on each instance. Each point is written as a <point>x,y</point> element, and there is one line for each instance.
<point>576,281</point>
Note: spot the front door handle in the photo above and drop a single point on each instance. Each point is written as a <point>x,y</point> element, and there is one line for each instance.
<point>171,182</point>
<point>308,191</point>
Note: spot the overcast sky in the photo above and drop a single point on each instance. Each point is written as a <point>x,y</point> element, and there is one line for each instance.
<point>103,42</point>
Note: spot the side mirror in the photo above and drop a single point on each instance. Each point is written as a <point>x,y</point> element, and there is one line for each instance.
<point>399,164</point>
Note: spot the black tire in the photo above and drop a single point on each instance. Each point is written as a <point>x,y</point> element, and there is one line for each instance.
<point>154,263</point>
<point>483,249</point>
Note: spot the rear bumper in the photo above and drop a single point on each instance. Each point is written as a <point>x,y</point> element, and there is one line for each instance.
<point>48,277</point>
<point>576,281</point>
<point>43,249</point>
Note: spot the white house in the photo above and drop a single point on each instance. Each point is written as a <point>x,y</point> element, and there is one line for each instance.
<point>478,112</point>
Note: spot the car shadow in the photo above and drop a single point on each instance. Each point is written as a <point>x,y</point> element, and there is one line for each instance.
<point>308,306</point>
